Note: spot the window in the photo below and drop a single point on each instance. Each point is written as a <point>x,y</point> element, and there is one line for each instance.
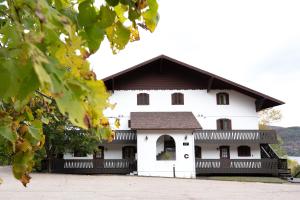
<point>244,151</point>
<point>224,152</point>
<point>99,153</point>
<point>78,153</point>
<point>223,124</point>
<point>129,152</point>
<point>222,98</point>
<point>165,148</point>
<point>177,99</point>
<point>142,99</point>
<point>198,153</point>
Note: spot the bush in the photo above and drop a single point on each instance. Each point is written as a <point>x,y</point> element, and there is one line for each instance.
<point>294,166</point>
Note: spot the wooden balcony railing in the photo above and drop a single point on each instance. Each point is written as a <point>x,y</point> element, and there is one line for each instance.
<point>235,136</point>
<point>93,166</point>
<point>237,166</point>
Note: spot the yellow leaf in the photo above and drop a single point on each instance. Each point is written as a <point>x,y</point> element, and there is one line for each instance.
<point>117,123</point>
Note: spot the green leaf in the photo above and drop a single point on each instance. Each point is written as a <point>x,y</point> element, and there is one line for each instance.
<point>120,11</point>
<point>36,129</point>
<point>7,133</point>
<point>95,35</point>
<point>106,17</point>
<point>125,2</point>
<point>87,13</point>
<point>133,14</point>
<point>112,2</point>
<point>71,104</point>
<point>151,16</point>
<point>118,35</point>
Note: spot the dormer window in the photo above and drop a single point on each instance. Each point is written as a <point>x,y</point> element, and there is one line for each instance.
<point>142,99</point>
<point>222,98</point>
<point>223,124</point>
<point>177,99</point>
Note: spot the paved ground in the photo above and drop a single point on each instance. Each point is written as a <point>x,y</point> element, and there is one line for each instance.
<point>73,187</point>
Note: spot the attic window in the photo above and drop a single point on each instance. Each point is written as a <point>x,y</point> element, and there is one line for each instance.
<point>223,124</point>
<point>222,98</point>
<point>177,99</point>
<point>142,99</point>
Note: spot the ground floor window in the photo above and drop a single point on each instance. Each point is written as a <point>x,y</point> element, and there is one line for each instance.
<point>79,153</point>
<point>165,148</point>
<point>244,151</point>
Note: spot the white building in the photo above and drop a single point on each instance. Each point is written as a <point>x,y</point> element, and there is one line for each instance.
<point>180,121</point>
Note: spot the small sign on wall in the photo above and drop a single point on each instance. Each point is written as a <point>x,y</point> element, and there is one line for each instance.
<point>186,144</point>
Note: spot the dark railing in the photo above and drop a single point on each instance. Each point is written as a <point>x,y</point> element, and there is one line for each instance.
<point>93,166</point>
<point>125,136</point>
<point>235,136</point>
<point>237,166</point>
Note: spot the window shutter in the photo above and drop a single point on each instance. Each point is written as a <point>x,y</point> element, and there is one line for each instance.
<point>229,124</point>
<point>129,123</point>
<point>227,99</point>
<point>218,99</point>
<point>173,99</point>
<point>219,124</point>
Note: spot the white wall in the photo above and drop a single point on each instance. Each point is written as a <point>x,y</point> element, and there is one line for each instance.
<point>149,166</point>
<point>211,151</point>
<point>241,109</point>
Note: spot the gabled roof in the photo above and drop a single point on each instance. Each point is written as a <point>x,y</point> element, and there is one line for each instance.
<point>134,78</point>
<point>163,121</point>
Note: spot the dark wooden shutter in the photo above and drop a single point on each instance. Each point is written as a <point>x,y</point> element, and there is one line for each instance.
<point>177,99</point>
<point>229,124</point>
<point>129,123</point>
<point>142,99</point>
<point>218,99</point>
<point>219,124</point>
<point>227,99</point>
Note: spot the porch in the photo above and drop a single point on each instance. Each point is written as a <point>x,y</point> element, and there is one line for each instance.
<point>272,167</point>
<point>94,166</point>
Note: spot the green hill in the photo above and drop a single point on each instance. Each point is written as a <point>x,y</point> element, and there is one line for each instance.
<point>291,139</point>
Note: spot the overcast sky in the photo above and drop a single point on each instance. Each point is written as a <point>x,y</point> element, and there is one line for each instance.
<point>255,43</point>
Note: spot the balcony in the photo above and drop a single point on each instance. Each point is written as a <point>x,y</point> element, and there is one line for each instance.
<point>236,136</point>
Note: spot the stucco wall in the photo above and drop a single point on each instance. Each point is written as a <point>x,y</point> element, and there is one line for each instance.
<point>149,166</point>
<point>241,109</point>
<point>211,151</point>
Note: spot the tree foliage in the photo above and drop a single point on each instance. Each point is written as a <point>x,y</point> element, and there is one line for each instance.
<point>44,46</point>
<point>267,116</point>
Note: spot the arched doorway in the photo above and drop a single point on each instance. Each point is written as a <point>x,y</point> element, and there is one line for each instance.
<point>165,148</point>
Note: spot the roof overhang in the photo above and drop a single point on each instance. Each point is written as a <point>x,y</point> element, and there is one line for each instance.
<point>163,121</point>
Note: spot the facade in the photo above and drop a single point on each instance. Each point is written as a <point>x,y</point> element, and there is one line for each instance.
<point>180,121</point>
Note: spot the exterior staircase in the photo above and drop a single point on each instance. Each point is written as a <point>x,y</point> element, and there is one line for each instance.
<point>268,152</point>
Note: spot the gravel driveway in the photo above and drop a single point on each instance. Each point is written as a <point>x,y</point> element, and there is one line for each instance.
<point>84,187</point>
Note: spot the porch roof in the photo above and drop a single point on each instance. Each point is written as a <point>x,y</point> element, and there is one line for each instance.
<point>163,120</point>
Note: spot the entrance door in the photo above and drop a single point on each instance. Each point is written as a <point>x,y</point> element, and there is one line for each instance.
<point>129,152</point>
<point>99,158</point>
<point>225,156</point>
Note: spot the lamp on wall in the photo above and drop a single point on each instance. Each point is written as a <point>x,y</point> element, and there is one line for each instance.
<point>146,138</point>
<point>185,137</point>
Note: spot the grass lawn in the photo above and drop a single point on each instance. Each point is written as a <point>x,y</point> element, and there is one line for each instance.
<point>244,179</point>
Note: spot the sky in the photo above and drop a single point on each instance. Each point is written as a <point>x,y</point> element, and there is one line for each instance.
<point>254,43</point>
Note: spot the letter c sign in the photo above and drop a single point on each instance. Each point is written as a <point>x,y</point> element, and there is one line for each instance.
<point>186,156</point>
